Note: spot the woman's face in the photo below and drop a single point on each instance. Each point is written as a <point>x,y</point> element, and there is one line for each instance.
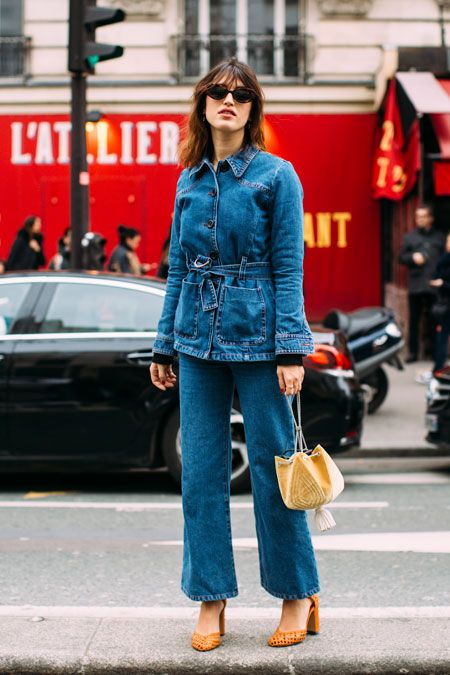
<point>447,244</point>
<point>37,226</point>
<point>133,242</point>
<point>227,115</point>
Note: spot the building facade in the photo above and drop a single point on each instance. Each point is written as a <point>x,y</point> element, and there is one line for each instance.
<point>323,64</point>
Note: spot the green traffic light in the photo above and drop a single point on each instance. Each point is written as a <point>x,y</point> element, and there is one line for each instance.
<point>92,60</point>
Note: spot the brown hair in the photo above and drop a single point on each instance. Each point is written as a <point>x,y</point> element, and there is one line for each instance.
<point>197,133</point>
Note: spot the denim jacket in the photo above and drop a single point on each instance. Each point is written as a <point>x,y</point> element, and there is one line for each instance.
<point>234,288</point>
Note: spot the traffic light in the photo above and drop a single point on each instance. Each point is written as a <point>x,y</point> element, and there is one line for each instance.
<point>85,17</point>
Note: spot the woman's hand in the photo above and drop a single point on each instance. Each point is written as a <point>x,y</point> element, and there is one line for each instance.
<point>290,379</point>
<point>436,282</point>
<point>162,376</point>
<point>34,245</point>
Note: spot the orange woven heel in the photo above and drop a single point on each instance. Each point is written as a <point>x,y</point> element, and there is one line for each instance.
<point>284,638</point>
<point>203,643</point>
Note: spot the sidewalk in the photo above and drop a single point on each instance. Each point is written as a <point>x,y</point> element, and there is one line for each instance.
<point>399,425</point>
<point>161,645</point>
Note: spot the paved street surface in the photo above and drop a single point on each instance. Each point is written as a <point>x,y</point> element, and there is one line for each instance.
<point>90,567</point>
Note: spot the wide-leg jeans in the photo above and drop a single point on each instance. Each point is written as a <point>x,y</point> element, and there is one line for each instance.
<point>287,561</point>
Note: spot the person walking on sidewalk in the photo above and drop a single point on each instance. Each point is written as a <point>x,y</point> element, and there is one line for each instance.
<point>26,252</point>
<point>234,312</point>
<point>441,282</point>
<point>421,249</point>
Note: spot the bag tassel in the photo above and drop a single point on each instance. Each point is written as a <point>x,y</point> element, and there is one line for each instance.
<point>323,519</point>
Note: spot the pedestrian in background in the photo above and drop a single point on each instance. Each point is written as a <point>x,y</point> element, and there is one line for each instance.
<point>2,266</point>
<point>441,282</point>
<point>163,267</point>
<point>124,257</point>
<point>61,260</point>
<point>420,252</point>
<point>27,249</point>
<point>234,311</point>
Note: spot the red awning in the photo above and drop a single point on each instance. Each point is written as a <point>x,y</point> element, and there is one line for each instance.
<point>441,174</point>
<point>441,124</point>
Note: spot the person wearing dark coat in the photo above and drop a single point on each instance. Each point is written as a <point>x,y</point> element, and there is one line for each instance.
<point>26,252</point>
<point>124,257</point>
<point>61,260</point>
<point>441,282</point>
<point>420,252</point>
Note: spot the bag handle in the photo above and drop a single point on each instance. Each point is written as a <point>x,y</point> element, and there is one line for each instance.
<point>302,446</point>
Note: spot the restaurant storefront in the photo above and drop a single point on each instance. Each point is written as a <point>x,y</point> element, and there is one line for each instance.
<point>133,172</point>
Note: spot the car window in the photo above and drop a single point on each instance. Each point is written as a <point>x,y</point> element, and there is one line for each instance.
<point>11,298</point>
<point>86,308</point>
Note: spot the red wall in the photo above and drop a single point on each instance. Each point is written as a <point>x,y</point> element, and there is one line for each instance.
<point>133,173</point>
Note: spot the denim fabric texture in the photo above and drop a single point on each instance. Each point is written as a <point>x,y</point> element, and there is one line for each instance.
<point>235,286</point>
<point>286,557</point>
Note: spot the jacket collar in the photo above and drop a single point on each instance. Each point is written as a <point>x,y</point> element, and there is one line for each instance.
<point>238,162</point>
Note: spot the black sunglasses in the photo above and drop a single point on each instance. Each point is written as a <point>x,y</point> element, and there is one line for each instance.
<point>240,94</point>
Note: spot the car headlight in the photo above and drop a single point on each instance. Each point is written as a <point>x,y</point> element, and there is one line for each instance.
<point>393,330</point>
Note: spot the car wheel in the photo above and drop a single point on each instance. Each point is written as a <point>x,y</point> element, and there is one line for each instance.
<point>240,471</point>
<point>379,386</point>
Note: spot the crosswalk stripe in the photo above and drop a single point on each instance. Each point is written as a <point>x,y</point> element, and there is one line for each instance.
<point>189,612</point>
<point>399,478</point>
<point>149,506</point>
<point>414,542</point>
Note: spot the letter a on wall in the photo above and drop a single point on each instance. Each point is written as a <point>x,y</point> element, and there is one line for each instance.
<point>397,155</point>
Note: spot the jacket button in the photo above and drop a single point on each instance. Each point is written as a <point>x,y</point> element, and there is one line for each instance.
<point>213,255</point>
<point>210,223</point>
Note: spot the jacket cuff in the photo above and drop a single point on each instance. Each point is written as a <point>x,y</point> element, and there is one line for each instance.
<point>289,359</point>
<point>163,344</point>
<point>163,359</point>
<point>294,343</point>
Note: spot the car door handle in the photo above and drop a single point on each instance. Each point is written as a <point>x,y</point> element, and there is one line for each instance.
<point>141,358</point>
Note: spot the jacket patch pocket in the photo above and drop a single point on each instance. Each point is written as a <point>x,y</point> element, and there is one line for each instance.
<point>186,315</point>
<point>242,316</point>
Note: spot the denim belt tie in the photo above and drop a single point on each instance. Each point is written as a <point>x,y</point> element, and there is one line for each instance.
<point>243,270</point>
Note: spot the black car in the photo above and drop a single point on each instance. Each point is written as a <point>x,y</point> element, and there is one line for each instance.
<point>437,416</point>
<point>75,389</point>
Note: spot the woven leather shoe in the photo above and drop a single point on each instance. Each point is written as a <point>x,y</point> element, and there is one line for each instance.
<point>203,643</point>
<point>284,638</point>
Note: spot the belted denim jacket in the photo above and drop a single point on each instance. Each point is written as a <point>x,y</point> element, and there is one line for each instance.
<point>234,288</point>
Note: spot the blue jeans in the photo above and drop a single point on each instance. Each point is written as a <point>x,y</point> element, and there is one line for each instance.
<point>287,561</point>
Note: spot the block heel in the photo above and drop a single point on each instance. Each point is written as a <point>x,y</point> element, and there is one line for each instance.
<point>282,638</point>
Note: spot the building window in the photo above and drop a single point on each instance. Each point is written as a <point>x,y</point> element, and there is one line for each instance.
<point>12,42</point>
<point>264,33</point>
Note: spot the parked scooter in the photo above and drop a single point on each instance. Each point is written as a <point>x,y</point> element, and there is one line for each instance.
<point>374,339</point>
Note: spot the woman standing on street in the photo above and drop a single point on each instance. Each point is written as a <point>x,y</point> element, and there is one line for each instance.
<point>234,311</point>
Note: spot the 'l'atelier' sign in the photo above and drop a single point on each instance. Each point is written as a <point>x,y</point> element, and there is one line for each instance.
<point>145,142</point>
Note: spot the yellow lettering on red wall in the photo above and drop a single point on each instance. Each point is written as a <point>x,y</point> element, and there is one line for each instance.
<point>319,230</point>
<point>308,231</point>
<point>342,218</point>
<point>323,229</point>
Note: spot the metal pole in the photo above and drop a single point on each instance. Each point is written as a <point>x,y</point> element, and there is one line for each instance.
<point>442,22</point>
<point>79,176</point>
<point>421,178</point>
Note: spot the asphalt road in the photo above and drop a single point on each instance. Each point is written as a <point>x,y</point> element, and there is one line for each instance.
<point>96,549</point>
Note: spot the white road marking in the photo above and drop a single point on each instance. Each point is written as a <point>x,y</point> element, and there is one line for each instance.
<point>190,612</point>
<point>149,506</point>
<point>415,542</point>
<point>406,478</point>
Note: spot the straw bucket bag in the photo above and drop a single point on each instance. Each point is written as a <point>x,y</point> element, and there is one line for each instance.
<point>309,479</point>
